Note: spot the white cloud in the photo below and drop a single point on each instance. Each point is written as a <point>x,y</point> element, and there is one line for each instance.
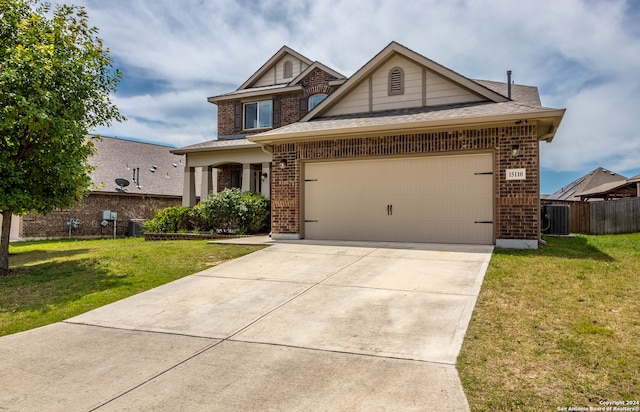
<point>583,55</point>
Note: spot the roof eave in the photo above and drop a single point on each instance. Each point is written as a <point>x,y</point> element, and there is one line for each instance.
<point>552,117</point>
<point>182,151</point>
<point>257,93</point>
<point>547,134</point>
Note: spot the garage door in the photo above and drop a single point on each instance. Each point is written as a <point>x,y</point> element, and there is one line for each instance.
<point>445,199</point>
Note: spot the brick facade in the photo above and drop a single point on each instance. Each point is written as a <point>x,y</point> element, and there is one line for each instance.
<point>225,176</point>
<point>225,119</point>
<point>89,213</point>
<point>316,82</point>
<point>516,205</point>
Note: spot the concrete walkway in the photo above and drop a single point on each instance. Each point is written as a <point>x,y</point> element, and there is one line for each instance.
<point>298,326</point>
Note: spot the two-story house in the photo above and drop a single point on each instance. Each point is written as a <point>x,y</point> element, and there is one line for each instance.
<point>403,150</point>
<point>281,92</point>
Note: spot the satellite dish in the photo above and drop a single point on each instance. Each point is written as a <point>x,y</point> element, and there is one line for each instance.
<point>122,183</point>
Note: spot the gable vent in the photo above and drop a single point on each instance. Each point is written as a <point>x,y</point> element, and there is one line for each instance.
<point>396,81</point>
<point>288,69</point>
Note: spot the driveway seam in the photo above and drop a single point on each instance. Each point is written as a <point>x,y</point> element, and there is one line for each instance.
<point>369,355</point>
<point>311,286</point>
<point>221,340</point>
<point>397,290</point>
<point>157,375</point>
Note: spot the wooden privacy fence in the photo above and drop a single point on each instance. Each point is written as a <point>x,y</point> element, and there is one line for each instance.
<point>606,217</point>
<point>615,216</point>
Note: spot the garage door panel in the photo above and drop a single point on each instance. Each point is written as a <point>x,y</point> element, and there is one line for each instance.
<point>434,199</point>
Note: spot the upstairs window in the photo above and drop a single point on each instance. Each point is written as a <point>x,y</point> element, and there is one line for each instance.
<point>396,81</point>
<point>288,69</point>
<point>315,100</point>
<point>258,115</point>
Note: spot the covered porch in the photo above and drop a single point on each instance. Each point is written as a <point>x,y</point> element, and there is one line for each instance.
<point>225,163</point>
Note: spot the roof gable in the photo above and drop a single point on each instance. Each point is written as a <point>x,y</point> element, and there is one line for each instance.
<point>427,83</point>
<point>272,72</point>
<point>311,68</point>
<point>594,179</point>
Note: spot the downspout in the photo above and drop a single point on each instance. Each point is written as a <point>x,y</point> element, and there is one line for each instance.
<point>267,149</point>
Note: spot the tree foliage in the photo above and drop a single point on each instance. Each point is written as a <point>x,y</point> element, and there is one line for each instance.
<point>55,83</point>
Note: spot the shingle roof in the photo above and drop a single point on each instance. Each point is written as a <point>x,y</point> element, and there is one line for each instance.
<point>217,144</point>
<point>118,158</point>
<point>519,92</point>
<point>597,178</point>
<point>466,111</point>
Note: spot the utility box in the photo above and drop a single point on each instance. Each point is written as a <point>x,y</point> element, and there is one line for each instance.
<point>109,215</point>
<point>555,219</point>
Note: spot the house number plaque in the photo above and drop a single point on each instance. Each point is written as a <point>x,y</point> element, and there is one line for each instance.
<point>516,174</point>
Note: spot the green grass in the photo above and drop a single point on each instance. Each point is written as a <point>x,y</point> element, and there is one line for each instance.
<point>556,327</point>
<point>54,280</point>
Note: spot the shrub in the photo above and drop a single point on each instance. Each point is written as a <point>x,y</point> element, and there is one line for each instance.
<point>256,216</point>
<point>199,219</point>
<point>170,220</point>
<point>232,211</point>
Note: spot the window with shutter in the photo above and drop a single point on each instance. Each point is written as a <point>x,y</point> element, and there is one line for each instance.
<point>258,115</point>
<point>304,104</point>
<point>276,111</point>
<point>237,116</point>
<point>396,81</point>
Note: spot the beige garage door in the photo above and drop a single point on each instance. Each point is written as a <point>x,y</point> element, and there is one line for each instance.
<point>445,199</point>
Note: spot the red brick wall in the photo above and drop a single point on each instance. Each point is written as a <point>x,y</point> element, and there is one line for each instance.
<point>516,202</point>
<point>89,213</point>
<point>225,175</point>
<point>316,82</point>
<point>225,119</point>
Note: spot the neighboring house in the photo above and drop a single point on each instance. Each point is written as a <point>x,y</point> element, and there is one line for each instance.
<point>403,150</point>
<point>599,179</point>
<point>616,190</point>
<point>154,176</point>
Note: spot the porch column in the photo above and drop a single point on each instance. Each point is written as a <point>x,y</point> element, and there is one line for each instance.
<point>206,184</point>
<point>266,183</point>
<point>189,187</point>
<point>246,177</point>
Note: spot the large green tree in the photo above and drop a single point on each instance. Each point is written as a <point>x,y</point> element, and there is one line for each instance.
<point>55,84</point>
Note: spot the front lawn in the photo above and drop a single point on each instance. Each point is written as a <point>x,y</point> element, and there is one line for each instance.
<point>55,280</point>
<point>557,327</point>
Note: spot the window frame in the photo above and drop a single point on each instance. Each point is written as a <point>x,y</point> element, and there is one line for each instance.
<point>258,124</point>
<point>309,107</point>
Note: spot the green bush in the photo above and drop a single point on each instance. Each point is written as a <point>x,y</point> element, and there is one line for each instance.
<point>230,211</point>
<point>256,216</point>
<point>199,219</point>
<point>170,220</point>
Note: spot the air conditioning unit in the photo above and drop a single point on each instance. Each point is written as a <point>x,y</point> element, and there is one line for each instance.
<point>135,228</point>
<point>555,219</point>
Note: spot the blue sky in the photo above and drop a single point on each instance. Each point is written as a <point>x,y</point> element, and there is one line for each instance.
<point>584,55</point>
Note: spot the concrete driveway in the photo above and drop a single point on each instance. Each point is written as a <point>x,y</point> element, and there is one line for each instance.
<point>297,326</point>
